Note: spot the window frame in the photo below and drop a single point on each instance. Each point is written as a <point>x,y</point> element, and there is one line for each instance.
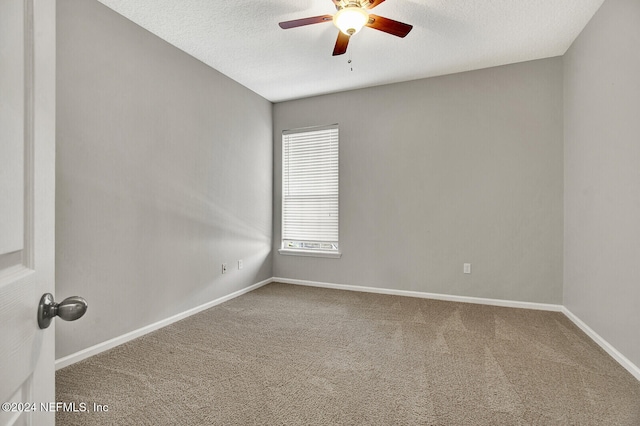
<point>300,251</point>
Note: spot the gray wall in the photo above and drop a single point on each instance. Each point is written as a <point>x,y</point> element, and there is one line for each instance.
<point>442,171</point>
<point>164,171</point>
<point>602,176</point>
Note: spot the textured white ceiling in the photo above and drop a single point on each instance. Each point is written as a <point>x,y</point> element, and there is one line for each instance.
<point>242,39</point>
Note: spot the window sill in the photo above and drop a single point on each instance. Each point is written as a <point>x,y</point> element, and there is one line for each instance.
<point>310,253</point>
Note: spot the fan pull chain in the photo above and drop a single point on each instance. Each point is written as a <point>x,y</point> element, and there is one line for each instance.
<point>349,61</point>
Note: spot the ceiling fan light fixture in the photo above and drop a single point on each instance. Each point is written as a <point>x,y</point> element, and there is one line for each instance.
<point>351,19</point>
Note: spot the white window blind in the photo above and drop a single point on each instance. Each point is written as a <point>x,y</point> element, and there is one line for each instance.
<point>310,189</point>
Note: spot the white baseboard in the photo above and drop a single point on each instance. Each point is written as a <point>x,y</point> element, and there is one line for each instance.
<point>608,348</point>
<point>422,295</point>
<point>615,354</point>
<point>101,347</point>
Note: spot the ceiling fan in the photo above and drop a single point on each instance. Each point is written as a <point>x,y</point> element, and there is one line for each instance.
<point>352,15</point>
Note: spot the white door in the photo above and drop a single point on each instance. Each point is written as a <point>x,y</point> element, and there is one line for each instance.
<point>27,195</point>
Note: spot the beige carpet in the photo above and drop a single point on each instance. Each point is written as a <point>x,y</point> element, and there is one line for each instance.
<point>295,355</point>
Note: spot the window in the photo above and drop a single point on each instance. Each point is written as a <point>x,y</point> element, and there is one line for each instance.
<point>310,192</point>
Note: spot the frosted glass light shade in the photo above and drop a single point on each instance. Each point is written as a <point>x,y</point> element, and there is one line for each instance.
<point>350,20</point>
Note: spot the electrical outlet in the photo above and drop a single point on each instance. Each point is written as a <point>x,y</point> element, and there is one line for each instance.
<point>224,268</point>
<point>240,264</point>
<point>467,268</point>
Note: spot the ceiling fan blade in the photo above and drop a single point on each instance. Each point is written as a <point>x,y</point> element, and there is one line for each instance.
<point>373,3</point>
<point>390,26</point>
<point>305,21</point>
<point>341,44</point>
